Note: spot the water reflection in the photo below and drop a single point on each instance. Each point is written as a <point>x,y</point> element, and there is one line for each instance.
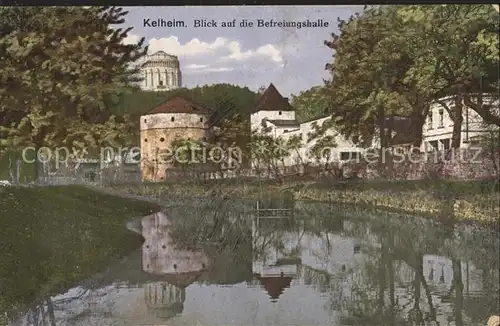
<point>335,268</point>
<point>177,268</point>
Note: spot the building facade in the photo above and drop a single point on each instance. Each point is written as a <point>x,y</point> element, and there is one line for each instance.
<point>177,118</point>
<point>438,129</point>
<point>274,114</point>
<point>160,72</point>
<point>276,117</point>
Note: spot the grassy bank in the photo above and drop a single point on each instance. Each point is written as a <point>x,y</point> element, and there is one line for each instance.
<point>52,237</point>
<point>464,200</point>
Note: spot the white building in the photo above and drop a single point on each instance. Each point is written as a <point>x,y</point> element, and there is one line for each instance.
<point>274,115</point>
<point>438,130</point>
<point>160,72</point>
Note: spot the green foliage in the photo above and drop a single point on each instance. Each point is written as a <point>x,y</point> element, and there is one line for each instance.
<point>61,69</point>
<point>396,60</point>
<point>457,52</point>
<point>368,74</point>
<point>232,105</point>
<point>310,104</point>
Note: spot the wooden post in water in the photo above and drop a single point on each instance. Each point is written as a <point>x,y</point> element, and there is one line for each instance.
<point>257,214</point>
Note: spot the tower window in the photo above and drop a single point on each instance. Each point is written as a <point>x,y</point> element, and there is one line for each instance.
<point>162,139</point>
<point>201,119</point>
<point>279,112</point>
<point>145,140</point>
<point>441,118</point>
<point>175,266</point>
<point>144,120</point>
<point>172,119</point>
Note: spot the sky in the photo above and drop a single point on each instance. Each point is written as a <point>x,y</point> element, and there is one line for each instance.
<point>290,58</point>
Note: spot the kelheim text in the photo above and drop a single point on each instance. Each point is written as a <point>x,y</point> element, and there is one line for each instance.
<point>160,22</point>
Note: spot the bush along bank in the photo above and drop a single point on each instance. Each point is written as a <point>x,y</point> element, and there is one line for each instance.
<point>474,201</point>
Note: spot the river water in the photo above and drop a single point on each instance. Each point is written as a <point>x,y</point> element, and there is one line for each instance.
<point>323,266</point>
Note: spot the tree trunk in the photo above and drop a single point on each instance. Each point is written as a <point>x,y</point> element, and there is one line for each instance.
<point>383,139</point>
<point>418,121</point>
<point>457,118</point>
<point>459,295</point>
<point>382,282</point>
<point>50,308</point>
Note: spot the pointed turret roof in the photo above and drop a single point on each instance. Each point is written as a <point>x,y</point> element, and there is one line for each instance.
<point>272,100</point>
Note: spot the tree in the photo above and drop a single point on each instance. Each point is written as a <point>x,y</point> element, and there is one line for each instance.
<point>59,75</point>
<point>368,76</point>
<point>310,104</point>
<point>396,60</point>
<point>457,56</point>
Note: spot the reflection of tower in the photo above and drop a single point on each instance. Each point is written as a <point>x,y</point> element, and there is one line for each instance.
<point>175,268</point>
<point>164,300</point>
<point>275,285</point>
<point>274,259</point>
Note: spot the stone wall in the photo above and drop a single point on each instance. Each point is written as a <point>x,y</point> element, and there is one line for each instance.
<point>466,165</point>
<point>154,142</point>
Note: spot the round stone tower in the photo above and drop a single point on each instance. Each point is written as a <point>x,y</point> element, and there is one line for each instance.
<point>161,72</point>
<point>177,118</point>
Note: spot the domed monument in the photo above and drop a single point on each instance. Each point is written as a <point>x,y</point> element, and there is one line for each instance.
<point>161,72</point>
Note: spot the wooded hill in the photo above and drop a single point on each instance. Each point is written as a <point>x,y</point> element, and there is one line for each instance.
<point>230,102</point>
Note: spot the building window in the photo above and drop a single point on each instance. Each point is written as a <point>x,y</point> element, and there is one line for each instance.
<point>434,146</point>
<point>279,112</point>
<point>161,82</point>
<point>441,118</point>
<point>162,139</point>
<point>344,156</point>
<point>431,122</point>
<point>172,119</point>
<point>201,119</point>
<point>144,120</point>
<point>145,140</point>
<point>355,139</point>
<point>286,130</point>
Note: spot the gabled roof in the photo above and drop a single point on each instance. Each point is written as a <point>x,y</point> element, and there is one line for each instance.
<point>179,104</point>
<point>272,100</point>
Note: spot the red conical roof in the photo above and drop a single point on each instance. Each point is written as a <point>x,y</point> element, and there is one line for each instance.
<point>180,105</point>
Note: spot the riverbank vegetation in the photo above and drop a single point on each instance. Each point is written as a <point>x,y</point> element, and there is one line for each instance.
<point>53,237</point>
<point>460,200</point>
